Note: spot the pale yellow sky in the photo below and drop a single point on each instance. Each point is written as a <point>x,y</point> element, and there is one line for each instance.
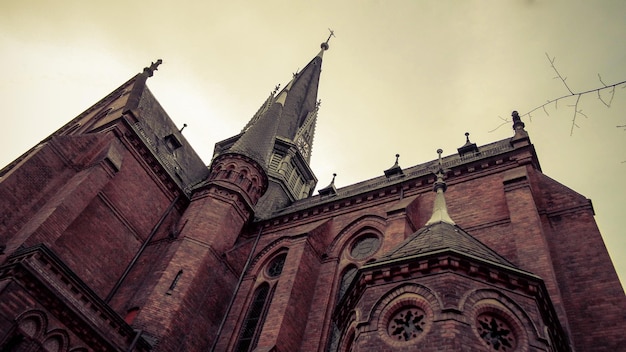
<point>402,77</point>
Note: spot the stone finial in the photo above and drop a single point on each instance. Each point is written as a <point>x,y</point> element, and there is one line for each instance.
<point>395,169</point>
<point>521,136</point>
<point>440,183</point>
<point>517,121</point>
<point>330,189</point>
<point>467,148</point>
<point>153,67</point>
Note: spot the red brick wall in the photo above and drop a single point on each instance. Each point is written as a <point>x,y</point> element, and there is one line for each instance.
<point>506,210</point>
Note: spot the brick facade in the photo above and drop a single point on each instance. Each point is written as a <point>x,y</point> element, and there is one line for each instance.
<point>115,236</point>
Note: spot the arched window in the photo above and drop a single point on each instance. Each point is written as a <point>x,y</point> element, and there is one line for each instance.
<point>252,324</point>
<point>346,279</point>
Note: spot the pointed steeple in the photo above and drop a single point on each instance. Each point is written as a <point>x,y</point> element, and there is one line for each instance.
<point>279,138</point>
<point>301,103</point>
<point>440,210</point>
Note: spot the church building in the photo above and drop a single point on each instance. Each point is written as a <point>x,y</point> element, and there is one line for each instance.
<point>116,236</point>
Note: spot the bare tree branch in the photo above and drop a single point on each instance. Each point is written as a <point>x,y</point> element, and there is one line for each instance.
<point>578,95</point>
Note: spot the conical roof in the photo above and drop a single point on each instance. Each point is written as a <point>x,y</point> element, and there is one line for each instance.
<point>257,141</point>
<point>302,98</point>
<point>442,236</point>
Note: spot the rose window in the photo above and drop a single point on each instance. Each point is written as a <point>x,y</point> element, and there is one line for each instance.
<point>365,246</point>
<point>276,266</point>
<point>496,333</point>
<point>407,324</point>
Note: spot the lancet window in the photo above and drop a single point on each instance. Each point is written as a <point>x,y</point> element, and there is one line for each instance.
<point>258,307</point>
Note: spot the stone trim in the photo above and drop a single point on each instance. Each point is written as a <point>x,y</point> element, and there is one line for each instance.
<point>44,276</point>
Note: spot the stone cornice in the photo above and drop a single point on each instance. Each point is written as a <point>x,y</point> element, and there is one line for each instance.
<point>552,212</point>
<point>493,158</point>
<point>227,193</point>
<point>44,276</point>
<point>432,263</point>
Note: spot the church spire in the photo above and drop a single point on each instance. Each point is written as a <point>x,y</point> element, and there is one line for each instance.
<point>300,110</point>
<point>279,138</point>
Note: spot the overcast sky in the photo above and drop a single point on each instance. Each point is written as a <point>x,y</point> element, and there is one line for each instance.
<point>403,77</point>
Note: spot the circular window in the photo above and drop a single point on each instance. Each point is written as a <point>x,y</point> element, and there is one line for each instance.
<point>407,324</point>
<point>495,332</point>
<point>276,266</point>
<point>365,246</point>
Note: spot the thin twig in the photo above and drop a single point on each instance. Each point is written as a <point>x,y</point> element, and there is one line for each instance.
<point>558,75</point>
<point>571,132</point>
<point>608,105</point>
<point>600,78</point>
<point>506,122</point>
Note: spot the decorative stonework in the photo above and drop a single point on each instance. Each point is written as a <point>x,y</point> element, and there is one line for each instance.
<point>407,324</point>
<point>500,324</point>
<point>404,316</point>
<point>275,268</point>
<point>496,332</point>
<point>241,172</point>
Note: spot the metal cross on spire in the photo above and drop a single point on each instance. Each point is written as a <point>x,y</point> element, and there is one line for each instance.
<point>332,34</point>
<point>325,44</point>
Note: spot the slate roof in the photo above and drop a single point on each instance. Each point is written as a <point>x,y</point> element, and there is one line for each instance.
<point>258,141</point>
<point>438,237</point>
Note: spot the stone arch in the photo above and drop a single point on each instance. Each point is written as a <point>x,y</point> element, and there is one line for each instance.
<point>268,253</point>
<point>416,303</point>
<point>56,340</point>
<point>491,301</point>
<point>33,323</point>
<point>348,334</point>
<point>356,227</point>
<point>348,341</point>
<point>405,294</point>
